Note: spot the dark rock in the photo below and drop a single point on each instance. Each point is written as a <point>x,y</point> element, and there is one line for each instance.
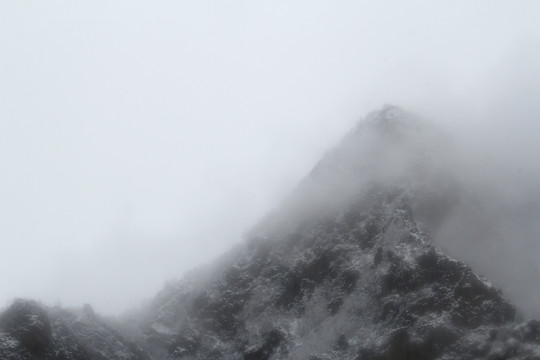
<point>26,321</point>
<point>342,343</point>
<point>334,305</point>
<point>272,340</point>
<point>347,280</point>
<point>401,347</point>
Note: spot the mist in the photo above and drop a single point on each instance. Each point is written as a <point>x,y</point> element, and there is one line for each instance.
<point>140,140</point>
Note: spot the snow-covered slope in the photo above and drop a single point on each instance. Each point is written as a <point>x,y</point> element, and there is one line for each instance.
<point>345,269</point>
<point>363,283</point>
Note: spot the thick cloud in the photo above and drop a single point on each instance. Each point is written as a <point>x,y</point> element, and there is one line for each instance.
<point>139,140</point>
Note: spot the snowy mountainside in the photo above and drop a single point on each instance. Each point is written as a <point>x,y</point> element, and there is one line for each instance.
<point>346,270</point>
<point>365,283</point>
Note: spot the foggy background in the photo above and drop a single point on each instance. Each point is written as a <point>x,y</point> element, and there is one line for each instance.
<point>141,139</point>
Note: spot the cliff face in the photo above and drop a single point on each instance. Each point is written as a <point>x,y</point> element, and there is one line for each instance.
<point>345,269</point>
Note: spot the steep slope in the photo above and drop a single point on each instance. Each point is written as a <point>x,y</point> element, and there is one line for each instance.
<point>345,269</point>
<point>365,283</point>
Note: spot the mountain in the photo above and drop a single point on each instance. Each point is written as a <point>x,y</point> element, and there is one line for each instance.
<point>346,268</point>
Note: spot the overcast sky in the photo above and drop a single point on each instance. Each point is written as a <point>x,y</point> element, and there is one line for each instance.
<point>139,139</point>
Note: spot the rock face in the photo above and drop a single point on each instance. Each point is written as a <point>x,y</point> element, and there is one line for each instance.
<point>346,269</point>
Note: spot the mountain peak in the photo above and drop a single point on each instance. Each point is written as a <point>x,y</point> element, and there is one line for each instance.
<point>387,113</point>
<point>390,119</point>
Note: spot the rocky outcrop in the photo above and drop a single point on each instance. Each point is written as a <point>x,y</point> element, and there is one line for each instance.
<point>29,330</point>
<point>27,323</point>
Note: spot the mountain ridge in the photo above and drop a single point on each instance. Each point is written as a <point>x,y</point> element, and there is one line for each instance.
<point>346,268</point>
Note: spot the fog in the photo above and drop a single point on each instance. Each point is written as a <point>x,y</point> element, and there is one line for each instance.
<point>141,139</point>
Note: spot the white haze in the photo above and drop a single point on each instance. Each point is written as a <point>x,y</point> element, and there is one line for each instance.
<point>139,139</point>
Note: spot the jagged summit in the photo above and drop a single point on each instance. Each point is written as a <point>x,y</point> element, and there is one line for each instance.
<point>390,147</point>
<point>388,117</point>
<point>388,137</point>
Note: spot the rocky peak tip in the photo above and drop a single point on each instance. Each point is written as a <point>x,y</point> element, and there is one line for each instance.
<point>387,114</point>
<point>389,119</point>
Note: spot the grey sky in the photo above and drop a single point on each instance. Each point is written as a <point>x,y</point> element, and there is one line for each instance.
<point>139,139</point>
